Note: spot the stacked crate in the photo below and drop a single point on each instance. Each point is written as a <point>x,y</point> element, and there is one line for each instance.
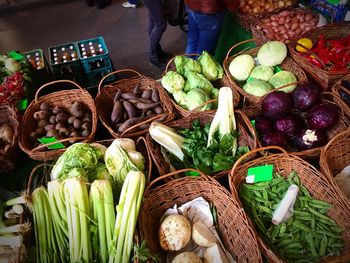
<point>96,63</point>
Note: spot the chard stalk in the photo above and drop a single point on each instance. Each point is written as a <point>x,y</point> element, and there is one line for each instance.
<point>19,228</point>
<point>23,199</point>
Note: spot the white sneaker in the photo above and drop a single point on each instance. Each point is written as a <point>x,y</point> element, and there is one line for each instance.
<point>128,5</point>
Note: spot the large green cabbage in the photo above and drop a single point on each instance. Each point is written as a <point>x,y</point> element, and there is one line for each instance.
<point>241,66</point>
<point>173,82</point>
<point>196,80</point>
<point>262,72</point>
<point>184,64</point>
<point>283,78</point>
<point>211,69</point>
<point>272,53</point>
<point>81,158</point>
<point>257,87</point>
<point>180,98</point>
<point>196,97</point>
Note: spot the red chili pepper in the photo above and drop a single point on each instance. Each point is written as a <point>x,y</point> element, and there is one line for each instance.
<point>314,61</point>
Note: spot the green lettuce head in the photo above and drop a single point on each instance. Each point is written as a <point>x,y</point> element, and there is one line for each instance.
<point>173,82</point>
<point>283,78</point>
<point>257,87</point>
<point>196,80</point>
<point>196,97</point>
<point>184,64</point>
<point>78,157</point>
<point>262,72</point>
<point>180,98</point>
<point>211,69</point>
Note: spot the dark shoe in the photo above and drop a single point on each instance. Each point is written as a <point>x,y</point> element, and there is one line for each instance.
<point>90,3</point>
<point>164,55</point>
<point>102,3</point>
<point>158,64</point>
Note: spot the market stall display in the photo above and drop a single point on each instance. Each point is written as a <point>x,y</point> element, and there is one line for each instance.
<point>233,228</point>
<point>194,84</point>
<point>285,26</point>
<point>128,106</point>
<point>301,122</point>
<point>9,129</point>
<point>275,71</point>
<point>253,11</point>
<point>328,58</point>
<point>328,216</point>
<point>72,117</point>
<point>335,161</point>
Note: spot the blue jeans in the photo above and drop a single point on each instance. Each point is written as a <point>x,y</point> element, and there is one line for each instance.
<point>203,31</point>
<point>133,2</point>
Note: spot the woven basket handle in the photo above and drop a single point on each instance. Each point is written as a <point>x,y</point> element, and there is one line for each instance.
<point>172,60</point>
<point>239,44</point>
<point>143,122</point>
<point>203,104</point>
<point>115,73</point>
<point>345,133</point>
<point>285,86</point>
<point>55,82</point>
<point>148,156</point>
<point>52,143</point>
<point>248,125</point>
<point>261,149</point>
<point>159,178</point>
<point>31,178</point>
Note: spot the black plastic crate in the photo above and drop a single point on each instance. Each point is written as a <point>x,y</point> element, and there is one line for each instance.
<point>94,77</point>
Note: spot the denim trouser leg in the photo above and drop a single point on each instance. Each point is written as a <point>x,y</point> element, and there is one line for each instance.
<point>133,2</point>
<point>192,34</point>
<point>206,29</point>
<point>157,25</point>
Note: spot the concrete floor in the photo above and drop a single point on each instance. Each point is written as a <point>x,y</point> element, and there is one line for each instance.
<point>124,31</point>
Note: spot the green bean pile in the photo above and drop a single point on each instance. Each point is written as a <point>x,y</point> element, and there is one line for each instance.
<point>307,236</point>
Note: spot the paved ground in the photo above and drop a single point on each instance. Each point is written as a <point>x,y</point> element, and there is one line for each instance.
<point>124,30</point>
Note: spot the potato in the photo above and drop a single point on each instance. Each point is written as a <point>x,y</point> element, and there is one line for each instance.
<point>58,126</point>
<point>52,119</point>
<point>86,126</point>
<point>49,127</point>
<point>187,257</point>
<point>202,235</point>
<point>42,123</point>
<point>77,109</point>
<point>56,110</point>
<point>174,233</point>
<point>64,132</point>
<point>61,118</point>
<point>41,115</point>
<point>71,119</point>
<point>77,123</point>
<point>52,133</point>
<point>44,106</point>
<point>40,131</point>
<point>85,133</point>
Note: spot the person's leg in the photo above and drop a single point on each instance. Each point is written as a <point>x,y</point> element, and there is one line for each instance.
<point>192,34</point>
<point>156,13</point>
<point>209,31</point>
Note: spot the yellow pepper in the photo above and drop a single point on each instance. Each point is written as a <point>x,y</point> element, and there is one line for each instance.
<point>306,42</point>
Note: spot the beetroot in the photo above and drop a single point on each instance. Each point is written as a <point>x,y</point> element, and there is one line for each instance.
<point>305,97</point>
<point>322,116</point>
<point>289,125</point>
<point>274,138</point>
<point>263,124</point>
<point>276,105</point>
<point>308,139</point>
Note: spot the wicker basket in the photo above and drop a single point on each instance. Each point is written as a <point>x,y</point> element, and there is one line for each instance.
<point>264,34</point>
<point>340,90</point>
<point>335,156</point>
<point>64,99</point>
<point>8,116</point>
<point>246,20</point>
<point>247,138</point>
<point>343,123</point>
<point>224,82</point>
<point>325,78</point>
<point>312,179</point>
<point>249,99</point>
<point>104,101</point>
<point>233,228</point>
<point>40,175</point>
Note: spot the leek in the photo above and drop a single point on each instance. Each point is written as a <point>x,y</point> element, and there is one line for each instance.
<point>43,226</point>
<point>224,120</point>
<point>78,219</point>
<point>19,228</point>
<point>168,138</point>
<point>127,213</point>
<point>103,216</point>
<point>59,217</point>
<point>23,199</point>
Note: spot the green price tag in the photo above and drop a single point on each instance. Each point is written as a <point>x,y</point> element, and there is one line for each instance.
<point>277,69</point>
<point>191,173</point>
<point>22,104</point>
<point>253,123</point>
<point>46,140</point>
<point>15,55</point>
<point>260,174</point>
